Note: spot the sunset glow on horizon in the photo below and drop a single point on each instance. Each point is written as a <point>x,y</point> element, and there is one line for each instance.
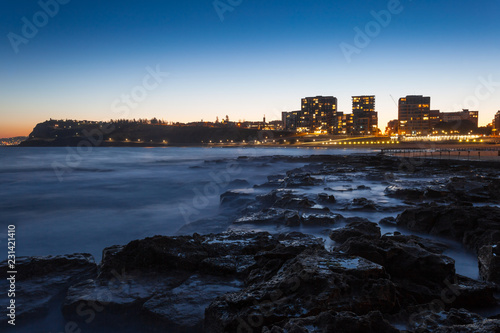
<point>257,58</point>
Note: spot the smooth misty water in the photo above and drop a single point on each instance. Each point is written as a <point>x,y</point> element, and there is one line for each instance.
<point>64,202</point>
<point>114,195</point>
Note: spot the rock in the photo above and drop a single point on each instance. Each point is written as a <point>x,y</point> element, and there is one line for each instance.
<point>122,294</point>
<point>404,192</point>
<point>273,181</point>
<point>469,293</point>
<point>171,280</point>
<point>489,263</point>
<point>300,180</point>
<point>321,219</point>
<point>429,321</point>
<point>239,183</point>
<point>388,221</point>
<point>404,261</point>
<point>469,190</point>
<point>41,280</point>
<point>472,226</point>
<point>313,282</point>
<point>236,198</point>
<point>362,204</point>
<point>327,198</point>
<point>272,216</point>
<point>427,244</point>
<point>372,322</point>
<point>484,326</point>
<point>355,229</point>
<point>184,306</point>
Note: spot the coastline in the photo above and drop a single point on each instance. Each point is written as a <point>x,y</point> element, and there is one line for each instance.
<point>203,273</point>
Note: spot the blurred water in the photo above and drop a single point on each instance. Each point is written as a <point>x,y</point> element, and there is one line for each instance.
<point>65,201</point>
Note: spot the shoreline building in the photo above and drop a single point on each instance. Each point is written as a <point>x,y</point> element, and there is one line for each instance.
<point>365,118</point>
<point>317,115</point>
<point>414,115</point>
<point>290,120</point>
<point>465,114</point>
<point>496,124</point>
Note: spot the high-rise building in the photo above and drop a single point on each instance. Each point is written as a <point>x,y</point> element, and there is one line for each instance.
<point>365,118</point>
<point>344,123</point>
<point>319,114</point>
<point>414,115</point>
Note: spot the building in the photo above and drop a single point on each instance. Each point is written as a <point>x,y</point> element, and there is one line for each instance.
<point>435,117</point>
<point>496,124</point>
<point>465,114</point>
<point>290,120</point>
<point>345,123</point>
<point>317,115</point>
<point>365,119</point>
<point>414,115</point>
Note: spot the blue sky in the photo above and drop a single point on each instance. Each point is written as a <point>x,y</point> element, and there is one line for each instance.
<point>261,59</point>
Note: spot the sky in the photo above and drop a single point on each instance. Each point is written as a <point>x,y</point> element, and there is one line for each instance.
<point>192,60</point>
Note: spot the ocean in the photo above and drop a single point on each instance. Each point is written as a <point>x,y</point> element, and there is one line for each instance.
<point>63,200</point>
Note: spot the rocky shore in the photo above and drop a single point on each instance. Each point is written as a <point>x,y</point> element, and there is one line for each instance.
<point>350,277</point>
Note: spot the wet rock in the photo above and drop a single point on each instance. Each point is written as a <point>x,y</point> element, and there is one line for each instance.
<point>372,322</point>
<point>473,226</point>
<point>300,180</point>
<point>469,190</point>
<point>162,254</point>
<point>469,293</point>
<point>404,261</point>
<point>171,280</point>
<point>272,216</point>
<point>427,244</point>
<point>327,198</point>
<point>41,280</point>
<point>355,229</point>
<point>388,221</point>
<point>429,321</point>
<point>405,193</point>
<point>489,263</point>
<point>239,183</point>
<point>184,306</point>
<point>291,201</point>
<point>362,204</point>
<point>313,282</point>
<point>122,294</point>
<point>321,219</point>
<point>436,192</point>
<point>236,198</point>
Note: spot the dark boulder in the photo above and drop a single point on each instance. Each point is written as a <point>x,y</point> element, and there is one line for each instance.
<point>42,280</point>
<point>313,282</point>
<point>372,322</point>
<point>472,226</point>
<point>489,263</point>
<point>356,229</point>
